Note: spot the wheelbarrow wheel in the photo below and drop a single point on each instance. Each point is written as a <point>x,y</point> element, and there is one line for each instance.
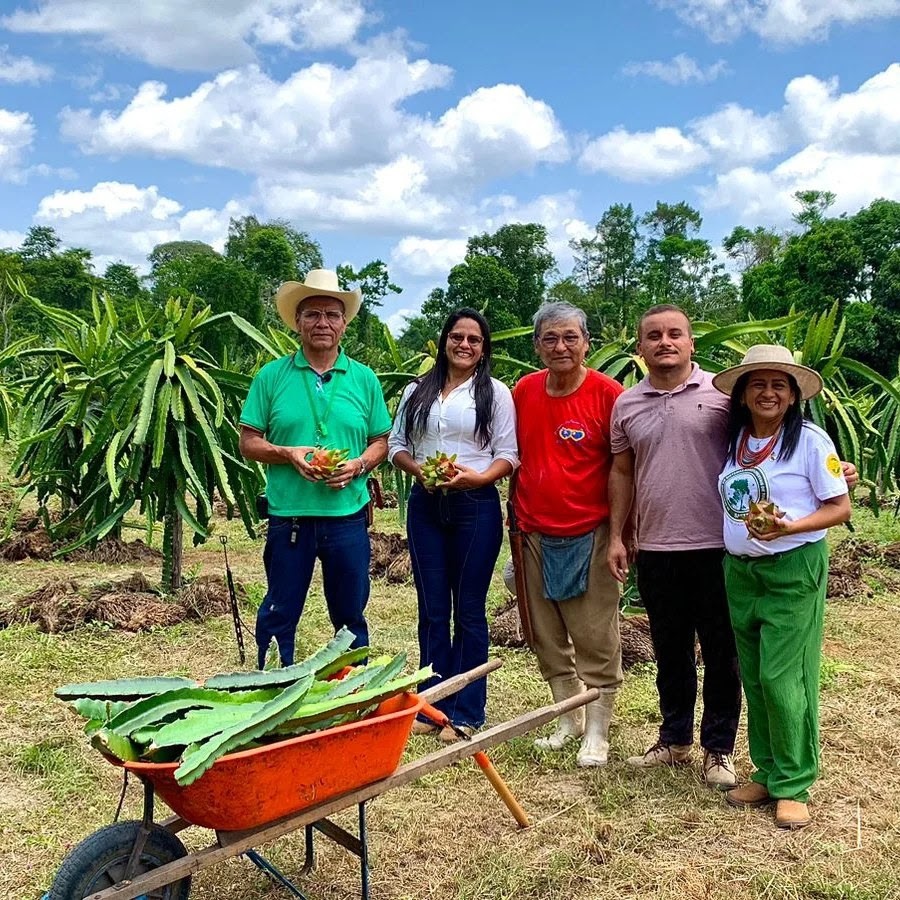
<point>99,862</point>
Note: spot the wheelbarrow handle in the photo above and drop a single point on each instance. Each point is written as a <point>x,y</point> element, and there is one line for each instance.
<point>486,766</point>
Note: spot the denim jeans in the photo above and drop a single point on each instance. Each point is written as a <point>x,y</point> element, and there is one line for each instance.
<point>454,541</point>
<point>292,547</point>
<point>684,594</point>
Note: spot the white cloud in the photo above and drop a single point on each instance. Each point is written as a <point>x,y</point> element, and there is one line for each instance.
<point>778,21</point>
<point>333,146</point>
<point>202,34</point>
<point>644,156</point>
<point>16,136</point>
<point>427,257</point>
<point>22,69</point>
<point>125,221</point>
<point>396,322</point>
<point>681,69</point>
<point>494,131</point>
<point>758,196</point>
<point>11,239</point>
<point>864,121</point>
<point>320,118</point>
<point>735,134</point>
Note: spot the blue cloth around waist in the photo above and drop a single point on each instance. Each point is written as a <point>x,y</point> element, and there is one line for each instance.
<point>566,562</point>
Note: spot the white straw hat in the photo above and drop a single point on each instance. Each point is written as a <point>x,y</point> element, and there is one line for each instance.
<point>318,283</point>
<point>771,356</point>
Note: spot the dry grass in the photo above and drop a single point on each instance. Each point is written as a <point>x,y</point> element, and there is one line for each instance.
<point>598,834</point>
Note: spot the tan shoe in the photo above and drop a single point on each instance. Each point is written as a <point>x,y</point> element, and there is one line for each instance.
<point>420,727</point>
<point>792,814</point>
<point>748,795</point>
<point>661,754</point>
<point>449,736</point>
<point>718,771</point>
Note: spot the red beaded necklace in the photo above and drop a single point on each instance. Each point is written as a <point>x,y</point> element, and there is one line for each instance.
<point>748,458</point>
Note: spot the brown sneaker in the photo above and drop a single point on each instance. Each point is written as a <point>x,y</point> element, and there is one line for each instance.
<point>792,814</point>
<point>420,727</point>
<point>748,795</point>
<point>661,754</point>
<point>449,736</point>
<point>718,771</point>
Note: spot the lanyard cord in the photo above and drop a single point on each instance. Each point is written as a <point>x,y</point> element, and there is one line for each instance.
<point>321,427</point>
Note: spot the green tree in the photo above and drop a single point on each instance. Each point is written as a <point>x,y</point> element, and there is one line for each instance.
<point>256,246</point>
<point>11,269</point>
<point>813,206</point>
<point>752,248</point>
<point>522,250</point>
<point>41,242</point>
<point>607,268</point>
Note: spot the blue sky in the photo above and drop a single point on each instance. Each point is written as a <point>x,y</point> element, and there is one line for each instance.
<point>396,129</point>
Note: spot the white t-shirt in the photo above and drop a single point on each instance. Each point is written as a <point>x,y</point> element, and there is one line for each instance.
<point>797,486</point>
<point>451,428</point>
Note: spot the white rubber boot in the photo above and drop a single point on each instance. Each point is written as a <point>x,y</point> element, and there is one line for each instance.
<point>594,749</point>
<point>570,725</point>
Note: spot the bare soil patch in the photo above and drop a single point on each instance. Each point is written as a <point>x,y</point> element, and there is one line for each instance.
<point>506,631</point>
<point>390,557</point>
<point>30,540</point>
<point>132,604</point>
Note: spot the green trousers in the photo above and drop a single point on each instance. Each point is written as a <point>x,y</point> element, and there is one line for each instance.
<point>777,606</point>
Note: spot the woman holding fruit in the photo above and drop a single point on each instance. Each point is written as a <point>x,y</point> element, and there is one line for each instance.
<point>782,487</point>
<point>455,433</point>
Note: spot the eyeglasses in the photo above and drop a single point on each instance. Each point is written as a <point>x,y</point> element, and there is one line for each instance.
<point>473,339</point>
<point>570,339</point>
<point>332,316</point>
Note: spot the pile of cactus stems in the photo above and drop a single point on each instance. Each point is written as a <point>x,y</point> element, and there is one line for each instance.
<point>169,719</point>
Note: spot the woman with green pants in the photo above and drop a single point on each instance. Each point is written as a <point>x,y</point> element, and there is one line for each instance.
<point>782,487</point>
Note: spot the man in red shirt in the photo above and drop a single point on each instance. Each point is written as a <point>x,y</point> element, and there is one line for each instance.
<point>563,427</point>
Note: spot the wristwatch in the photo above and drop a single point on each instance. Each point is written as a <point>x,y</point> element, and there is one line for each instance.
<point>363,468</point>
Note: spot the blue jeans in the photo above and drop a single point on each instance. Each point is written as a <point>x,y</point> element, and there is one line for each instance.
<point>454,541</point>
<point>292,547</point>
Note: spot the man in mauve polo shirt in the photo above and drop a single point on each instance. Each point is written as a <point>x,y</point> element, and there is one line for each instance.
<point>315,397</point>
<point>668,441</point>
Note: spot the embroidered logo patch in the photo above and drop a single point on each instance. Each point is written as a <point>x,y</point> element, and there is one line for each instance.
<point>833,464</point>
<point>571,431</point>
<point>739,489</point>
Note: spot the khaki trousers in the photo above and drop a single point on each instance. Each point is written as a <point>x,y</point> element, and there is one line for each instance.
<point>578,636</point>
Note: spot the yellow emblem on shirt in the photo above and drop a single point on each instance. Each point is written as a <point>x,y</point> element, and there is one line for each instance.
<point>833,464</point>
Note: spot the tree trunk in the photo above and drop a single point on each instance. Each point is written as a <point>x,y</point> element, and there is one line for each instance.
<point>172,552</point>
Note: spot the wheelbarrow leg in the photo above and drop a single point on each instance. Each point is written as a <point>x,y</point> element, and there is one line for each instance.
<point>364,851</point>
<point>274,873</point>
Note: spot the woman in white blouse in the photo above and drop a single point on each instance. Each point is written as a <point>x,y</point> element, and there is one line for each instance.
<point>455,532</point>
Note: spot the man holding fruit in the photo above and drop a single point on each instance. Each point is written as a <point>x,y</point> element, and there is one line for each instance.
<point>318,421</point>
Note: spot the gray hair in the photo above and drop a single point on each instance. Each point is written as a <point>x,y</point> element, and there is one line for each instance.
<point>551,312</point>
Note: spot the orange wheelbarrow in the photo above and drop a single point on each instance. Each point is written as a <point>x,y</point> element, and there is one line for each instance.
<point>254,796</point>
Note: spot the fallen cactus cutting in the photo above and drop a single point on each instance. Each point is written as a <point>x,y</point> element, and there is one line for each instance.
<point>175,719</point>
<point>437,470</point>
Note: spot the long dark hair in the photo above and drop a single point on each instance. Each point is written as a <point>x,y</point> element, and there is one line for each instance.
<point>739,418</point>
<point>430,385</point>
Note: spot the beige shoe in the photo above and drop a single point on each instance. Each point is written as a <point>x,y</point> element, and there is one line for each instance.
<point>662,755</point>
<point>594,750</point>
<point>449,736</point>
<point>748,795</point>
<point>570,725</point>
<point>718,771</point>
<point>420,727</point>
<point>792,814</point>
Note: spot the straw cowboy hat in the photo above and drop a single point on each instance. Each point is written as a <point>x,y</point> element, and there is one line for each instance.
<point>318,283</point>
<point>771,356</point>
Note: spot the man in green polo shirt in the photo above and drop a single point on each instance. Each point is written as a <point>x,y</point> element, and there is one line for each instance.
<point>315,397</point>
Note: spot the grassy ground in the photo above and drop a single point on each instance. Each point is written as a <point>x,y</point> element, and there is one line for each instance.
<point>597,834</point>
